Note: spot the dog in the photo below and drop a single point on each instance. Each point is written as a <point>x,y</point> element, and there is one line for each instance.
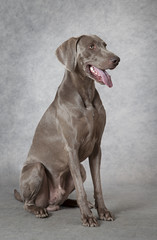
<point>69,132</point>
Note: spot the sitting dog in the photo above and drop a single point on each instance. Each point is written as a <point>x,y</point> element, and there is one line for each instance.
<point>69,132</point>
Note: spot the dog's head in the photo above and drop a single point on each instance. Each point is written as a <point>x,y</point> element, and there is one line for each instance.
<point>89,56</point>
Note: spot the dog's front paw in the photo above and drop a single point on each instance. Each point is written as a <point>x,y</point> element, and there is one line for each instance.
<point>89,221</point>
<point>106,215</point>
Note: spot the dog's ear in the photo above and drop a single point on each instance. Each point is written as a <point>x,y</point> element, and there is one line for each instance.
<point>67,53</point>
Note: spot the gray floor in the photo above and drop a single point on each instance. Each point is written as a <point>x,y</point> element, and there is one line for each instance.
<point>135,208</point>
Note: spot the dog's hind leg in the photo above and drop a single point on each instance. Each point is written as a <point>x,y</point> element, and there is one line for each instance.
<point>34,189</point>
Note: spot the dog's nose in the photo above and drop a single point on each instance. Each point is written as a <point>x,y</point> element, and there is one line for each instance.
<point>115,60</point>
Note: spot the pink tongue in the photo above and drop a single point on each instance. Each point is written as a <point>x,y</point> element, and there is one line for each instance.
<point>105,77</point>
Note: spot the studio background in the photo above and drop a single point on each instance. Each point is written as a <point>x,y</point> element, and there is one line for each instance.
<point>30,32</point>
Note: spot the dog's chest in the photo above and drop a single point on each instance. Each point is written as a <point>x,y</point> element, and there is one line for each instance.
<point>92,129</point>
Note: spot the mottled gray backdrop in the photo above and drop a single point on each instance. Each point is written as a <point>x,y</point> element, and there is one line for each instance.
<point>31,30</point>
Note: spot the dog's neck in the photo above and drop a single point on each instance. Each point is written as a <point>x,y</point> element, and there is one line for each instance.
<point>84,85</point>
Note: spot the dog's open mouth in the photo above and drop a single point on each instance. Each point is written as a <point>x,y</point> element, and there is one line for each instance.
<point>101,76</point>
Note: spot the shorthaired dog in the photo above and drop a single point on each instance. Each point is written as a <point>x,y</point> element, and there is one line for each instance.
<point>69,132</point>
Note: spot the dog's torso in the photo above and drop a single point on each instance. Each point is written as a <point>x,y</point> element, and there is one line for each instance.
<point>72,121</point>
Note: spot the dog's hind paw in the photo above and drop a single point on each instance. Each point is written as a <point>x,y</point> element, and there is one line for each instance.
<point>39,212</point>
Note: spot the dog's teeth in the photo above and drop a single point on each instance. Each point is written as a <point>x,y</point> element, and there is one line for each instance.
<point>92,69</point>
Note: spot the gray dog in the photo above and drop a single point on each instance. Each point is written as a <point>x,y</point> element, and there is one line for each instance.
<point>69,132</point>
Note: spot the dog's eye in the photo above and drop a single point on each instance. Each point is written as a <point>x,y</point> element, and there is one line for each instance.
<point>92,46</point>
<point>104,44</point>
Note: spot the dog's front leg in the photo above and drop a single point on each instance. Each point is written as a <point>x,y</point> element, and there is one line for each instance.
<point>95,161</point>
<point>86,214</point>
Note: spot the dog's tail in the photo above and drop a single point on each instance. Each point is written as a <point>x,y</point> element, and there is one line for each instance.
<point>17,195</point>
